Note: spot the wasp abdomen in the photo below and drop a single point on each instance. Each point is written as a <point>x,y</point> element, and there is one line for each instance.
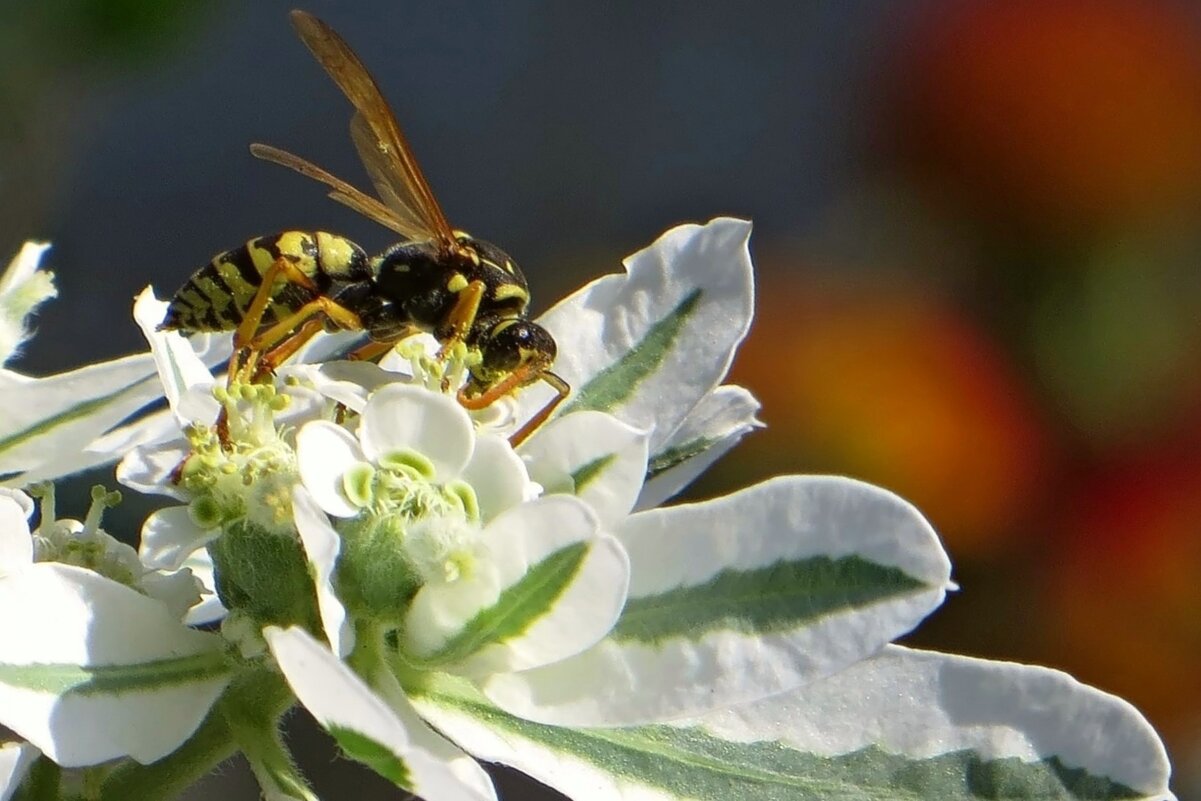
<point>217,295</point>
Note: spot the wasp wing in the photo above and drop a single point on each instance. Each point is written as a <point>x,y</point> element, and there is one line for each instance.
<point>380,168</point>
<point>408,193</point>
<point>342,192</point>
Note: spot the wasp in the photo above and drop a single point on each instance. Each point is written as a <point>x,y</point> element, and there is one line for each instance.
<point>276,292</point>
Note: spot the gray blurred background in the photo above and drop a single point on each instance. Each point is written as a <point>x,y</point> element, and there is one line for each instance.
<point>975,230</point>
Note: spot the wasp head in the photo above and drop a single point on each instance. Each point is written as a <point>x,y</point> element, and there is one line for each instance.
<point>513,352</point>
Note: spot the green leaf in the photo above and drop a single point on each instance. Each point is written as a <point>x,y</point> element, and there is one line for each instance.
<point>61,679</point>
<point>611,387</point>
<point>691,762</point>
<point>378,757</point>
<point>777,598</point>
<point>585,475</point>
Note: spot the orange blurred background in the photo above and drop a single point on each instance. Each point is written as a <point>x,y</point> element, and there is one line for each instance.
<point>1021,356</point>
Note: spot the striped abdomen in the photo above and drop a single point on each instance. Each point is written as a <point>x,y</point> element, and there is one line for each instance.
<point>217,295</point>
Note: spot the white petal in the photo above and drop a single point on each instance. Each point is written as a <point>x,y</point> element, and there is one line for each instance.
<point>16,545</point>
<point>341,702</point>
<point>178,591</point>
<point>649,345</point>
<point>72,621</point>
<point>210,609</point>
<point>150,469</point>
<point>497,474</point>
<point>183,374</point>
<point>348,383</point>
<point>324,452</point>
<point>322,545</point>
<point>401,417</point>
<point>169,537</point>
<point>593,456</point>
<point>156,428</point>
<point>15,759</point>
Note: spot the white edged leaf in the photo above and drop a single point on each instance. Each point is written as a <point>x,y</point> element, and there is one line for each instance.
<point>591,455</point>
<point>554,587</point>
<point>742,597</point>
<point>900,724</point>
<point>59,415</point>
<point>371,730</point>
<point>712,428</point>
<point>648,345</point>
<point>91,670</point>
<point>23,266</point>
<point>22,290</point>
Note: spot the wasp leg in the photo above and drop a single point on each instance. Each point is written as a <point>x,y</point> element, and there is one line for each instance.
<point>281,340</point>
<point>245,359</point>
<point>371,351</point>
<point>267,362</point>
<point>511,382</point>
<point>461,318</point>
<point>462,315</point>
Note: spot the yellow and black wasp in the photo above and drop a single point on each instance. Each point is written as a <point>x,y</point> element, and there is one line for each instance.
<point>277,292</point>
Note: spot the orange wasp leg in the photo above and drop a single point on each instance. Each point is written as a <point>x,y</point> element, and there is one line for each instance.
<point>245,359</point>
<point>514,380</point>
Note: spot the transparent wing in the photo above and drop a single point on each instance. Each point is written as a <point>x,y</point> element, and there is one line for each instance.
<point>342,192</point>
<point>380,168</point>
<point>393,168</point>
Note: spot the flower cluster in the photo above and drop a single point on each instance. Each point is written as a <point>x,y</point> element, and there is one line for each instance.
<point>352,539</point>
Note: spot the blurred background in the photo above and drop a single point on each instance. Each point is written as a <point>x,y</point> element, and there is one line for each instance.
<point>978,239</point>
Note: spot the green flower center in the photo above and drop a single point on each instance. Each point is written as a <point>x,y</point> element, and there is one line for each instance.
<point>247,472</point>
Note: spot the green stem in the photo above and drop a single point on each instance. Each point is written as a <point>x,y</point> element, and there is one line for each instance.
<point>43,781</point>
<point>253,712</point>
<point>261,693</point>
<point>211,745</point>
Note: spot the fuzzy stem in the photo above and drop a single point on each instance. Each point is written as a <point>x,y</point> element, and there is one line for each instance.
<point>259,693</point>
<point>254,720</point>
<point>211,745</point>
<point>43,781</point>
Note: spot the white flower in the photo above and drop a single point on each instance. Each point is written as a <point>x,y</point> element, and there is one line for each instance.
<point>418,483</point>
<point>92,665</point>
<point>535,607</point>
